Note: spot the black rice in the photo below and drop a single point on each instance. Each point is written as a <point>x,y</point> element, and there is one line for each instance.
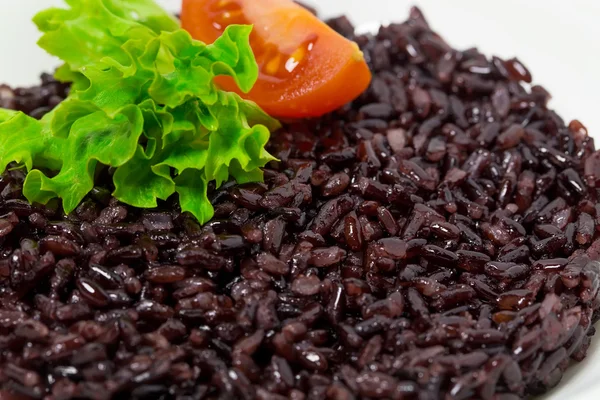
<point>434,239</point>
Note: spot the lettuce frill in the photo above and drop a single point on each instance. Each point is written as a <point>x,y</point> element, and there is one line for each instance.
<point>143,102</point>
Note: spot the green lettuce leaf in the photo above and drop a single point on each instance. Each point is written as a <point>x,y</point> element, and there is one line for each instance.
<point>143,102</point>
<point>147,13</point>
<point>140,182</point>
<point>21,137</point>
<point>192,189</point>
<point>88,31</point>
<point>5,115</point>
<point>92,139</point>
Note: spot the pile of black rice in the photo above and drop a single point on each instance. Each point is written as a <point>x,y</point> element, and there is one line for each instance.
<point>435,239</point>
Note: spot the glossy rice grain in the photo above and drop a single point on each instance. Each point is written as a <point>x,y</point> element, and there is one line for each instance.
<point>437,238</point>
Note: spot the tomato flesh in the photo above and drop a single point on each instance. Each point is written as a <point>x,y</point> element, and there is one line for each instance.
<point>306,68</point>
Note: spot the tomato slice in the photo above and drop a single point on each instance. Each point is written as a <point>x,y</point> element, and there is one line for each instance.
<point>306,68</point>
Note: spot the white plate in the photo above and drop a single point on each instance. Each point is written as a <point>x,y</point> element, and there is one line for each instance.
<point>558,40</point>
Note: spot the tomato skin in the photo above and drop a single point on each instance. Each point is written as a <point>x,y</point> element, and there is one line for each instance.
<point>307,69</point>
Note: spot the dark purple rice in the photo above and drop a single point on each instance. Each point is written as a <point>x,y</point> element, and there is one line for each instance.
<point>435,239</point>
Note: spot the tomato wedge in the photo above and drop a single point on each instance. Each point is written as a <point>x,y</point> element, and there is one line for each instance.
<point>306,68</point>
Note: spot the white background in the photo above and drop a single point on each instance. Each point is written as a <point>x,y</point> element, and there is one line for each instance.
<point>558,40</point>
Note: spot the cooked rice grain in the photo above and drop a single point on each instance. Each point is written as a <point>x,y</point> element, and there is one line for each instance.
<point>434,239</point>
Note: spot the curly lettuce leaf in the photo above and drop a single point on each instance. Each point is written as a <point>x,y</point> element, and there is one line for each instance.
<point>94,138</point>
<point>235,140</point>
<point>147,13</point>
<point>5,115</point>
<point>192,188</point>
<point>21,137</point>
<point>232,57</point>
<point>178,62</point>
<point>143,101</point>
<point>140,182</point>
<point>82,35</point>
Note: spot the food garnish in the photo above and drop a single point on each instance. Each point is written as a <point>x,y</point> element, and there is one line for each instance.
<point>143,103</point>
<point>306,68</point>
